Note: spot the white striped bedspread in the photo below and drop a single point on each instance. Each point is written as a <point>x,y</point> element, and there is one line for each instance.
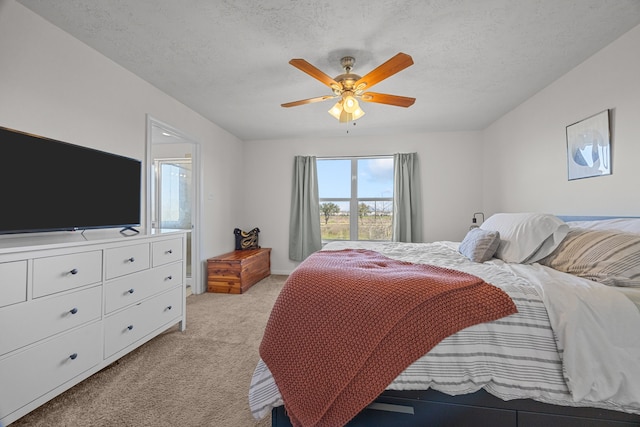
<point>515,357</point>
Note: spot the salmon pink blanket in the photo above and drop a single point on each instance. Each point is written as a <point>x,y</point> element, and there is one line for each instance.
<point>347,322</point>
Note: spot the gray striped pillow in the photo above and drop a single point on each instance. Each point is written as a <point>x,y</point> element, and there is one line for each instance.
<point>479,245</point>
<point>608,257</point>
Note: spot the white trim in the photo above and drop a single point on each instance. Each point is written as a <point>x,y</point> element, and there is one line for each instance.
<point>197,267</point>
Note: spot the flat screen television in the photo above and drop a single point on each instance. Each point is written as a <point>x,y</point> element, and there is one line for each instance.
<point>49,185</point>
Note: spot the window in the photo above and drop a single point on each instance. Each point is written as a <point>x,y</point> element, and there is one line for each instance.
<point>356,198</point>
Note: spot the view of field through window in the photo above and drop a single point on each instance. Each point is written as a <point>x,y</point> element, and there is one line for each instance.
<point>356,198</point>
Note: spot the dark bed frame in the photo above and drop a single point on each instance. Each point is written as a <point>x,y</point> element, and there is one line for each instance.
<point>480,409</point>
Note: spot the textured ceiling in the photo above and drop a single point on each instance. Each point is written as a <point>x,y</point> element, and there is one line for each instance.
<point>474,60</point>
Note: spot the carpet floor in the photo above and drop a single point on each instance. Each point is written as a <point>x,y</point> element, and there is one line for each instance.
<point>199,377</point>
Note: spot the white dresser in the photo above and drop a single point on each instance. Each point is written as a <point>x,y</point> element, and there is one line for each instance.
<point>72,303</point>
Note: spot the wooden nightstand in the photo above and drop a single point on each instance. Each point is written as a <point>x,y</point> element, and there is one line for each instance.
<point>237,271</point>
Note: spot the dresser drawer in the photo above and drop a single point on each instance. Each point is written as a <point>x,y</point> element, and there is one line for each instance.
<point>29,374</point>
<point>128,326</point>
<point>13,282</point>
<point>126,260</point>
<point>23,324</point>
<point>166,251</point>
<point>64,272</point>
<point>135,287</point>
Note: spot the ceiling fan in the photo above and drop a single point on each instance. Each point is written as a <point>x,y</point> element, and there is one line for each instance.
<point>350,87</point>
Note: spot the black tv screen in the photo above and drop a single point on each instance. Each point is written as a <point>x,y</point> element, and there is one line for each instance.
<point>49,185</point>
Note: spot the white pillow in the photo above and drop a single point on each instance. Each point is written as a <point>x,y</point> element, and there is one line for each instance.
<point>526,237</point>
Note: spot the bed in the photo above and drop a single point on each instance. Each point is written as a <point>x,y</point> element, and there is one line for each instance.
<point>570,355</point>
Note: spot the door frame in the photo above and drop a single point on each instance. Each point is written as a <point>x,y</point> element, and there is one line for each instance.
<point>197,274</point>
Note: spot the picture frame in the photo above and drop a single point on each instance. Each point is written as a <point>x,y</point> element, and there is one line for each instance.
<point>589,147</point>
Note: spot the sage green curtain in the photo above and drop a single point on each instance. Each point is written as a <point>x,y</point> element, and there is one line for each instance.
<point>304,222</point>
<point>407,203</point>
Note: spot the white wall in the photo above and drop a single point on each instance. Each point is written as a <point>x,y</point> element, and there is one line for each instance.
<point>525,152</point>
<point>519,163</point>
<point>450,165</point>
<point>53,85</point>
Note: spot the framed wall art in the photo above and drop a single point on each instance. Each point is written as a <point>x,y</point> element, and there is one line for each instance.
<point>589,147</point>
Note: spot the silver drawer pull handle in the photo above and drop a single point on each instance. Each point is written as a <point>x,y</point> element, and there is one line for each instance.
<point>130,327</point>
<point>132,259</point>
<point>73,356</point>
<point>169,251</point>
<point>130,291</point>
<point>73,310</point>
<point>74,271</point>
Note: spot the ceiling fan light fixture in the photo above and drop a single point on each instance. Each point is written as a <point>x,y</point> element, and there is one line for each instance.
<point>339,111</point>
<point>348,86</point>
<point>350,104</point>
<point>357,113</point>
<point>336,110</point>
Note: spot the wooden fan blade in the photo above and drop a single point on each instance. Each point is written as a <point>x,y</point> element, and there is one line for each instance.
<point>383,98</point>
<point>307,101</point>
<point>388,69</point>
<point>314,72</point>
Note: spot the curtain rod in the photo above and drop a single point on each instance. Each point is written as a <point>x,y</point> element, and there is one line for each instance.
<point>351,157</point>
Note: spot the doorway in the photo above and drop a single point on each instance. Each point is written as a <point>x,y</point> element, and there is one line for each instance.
<point>173,186</point>
<point>173,198</point>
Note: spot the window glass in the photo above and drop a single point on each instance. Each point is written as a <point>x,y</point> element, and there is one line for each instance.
<point>375,177</point>
<point>356,198</point>
<point>335,220</point>
<point>334,178</point>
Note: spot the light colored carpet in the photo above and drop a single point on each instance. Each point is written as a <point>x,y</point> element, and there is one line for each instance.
<point>199,377</point>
